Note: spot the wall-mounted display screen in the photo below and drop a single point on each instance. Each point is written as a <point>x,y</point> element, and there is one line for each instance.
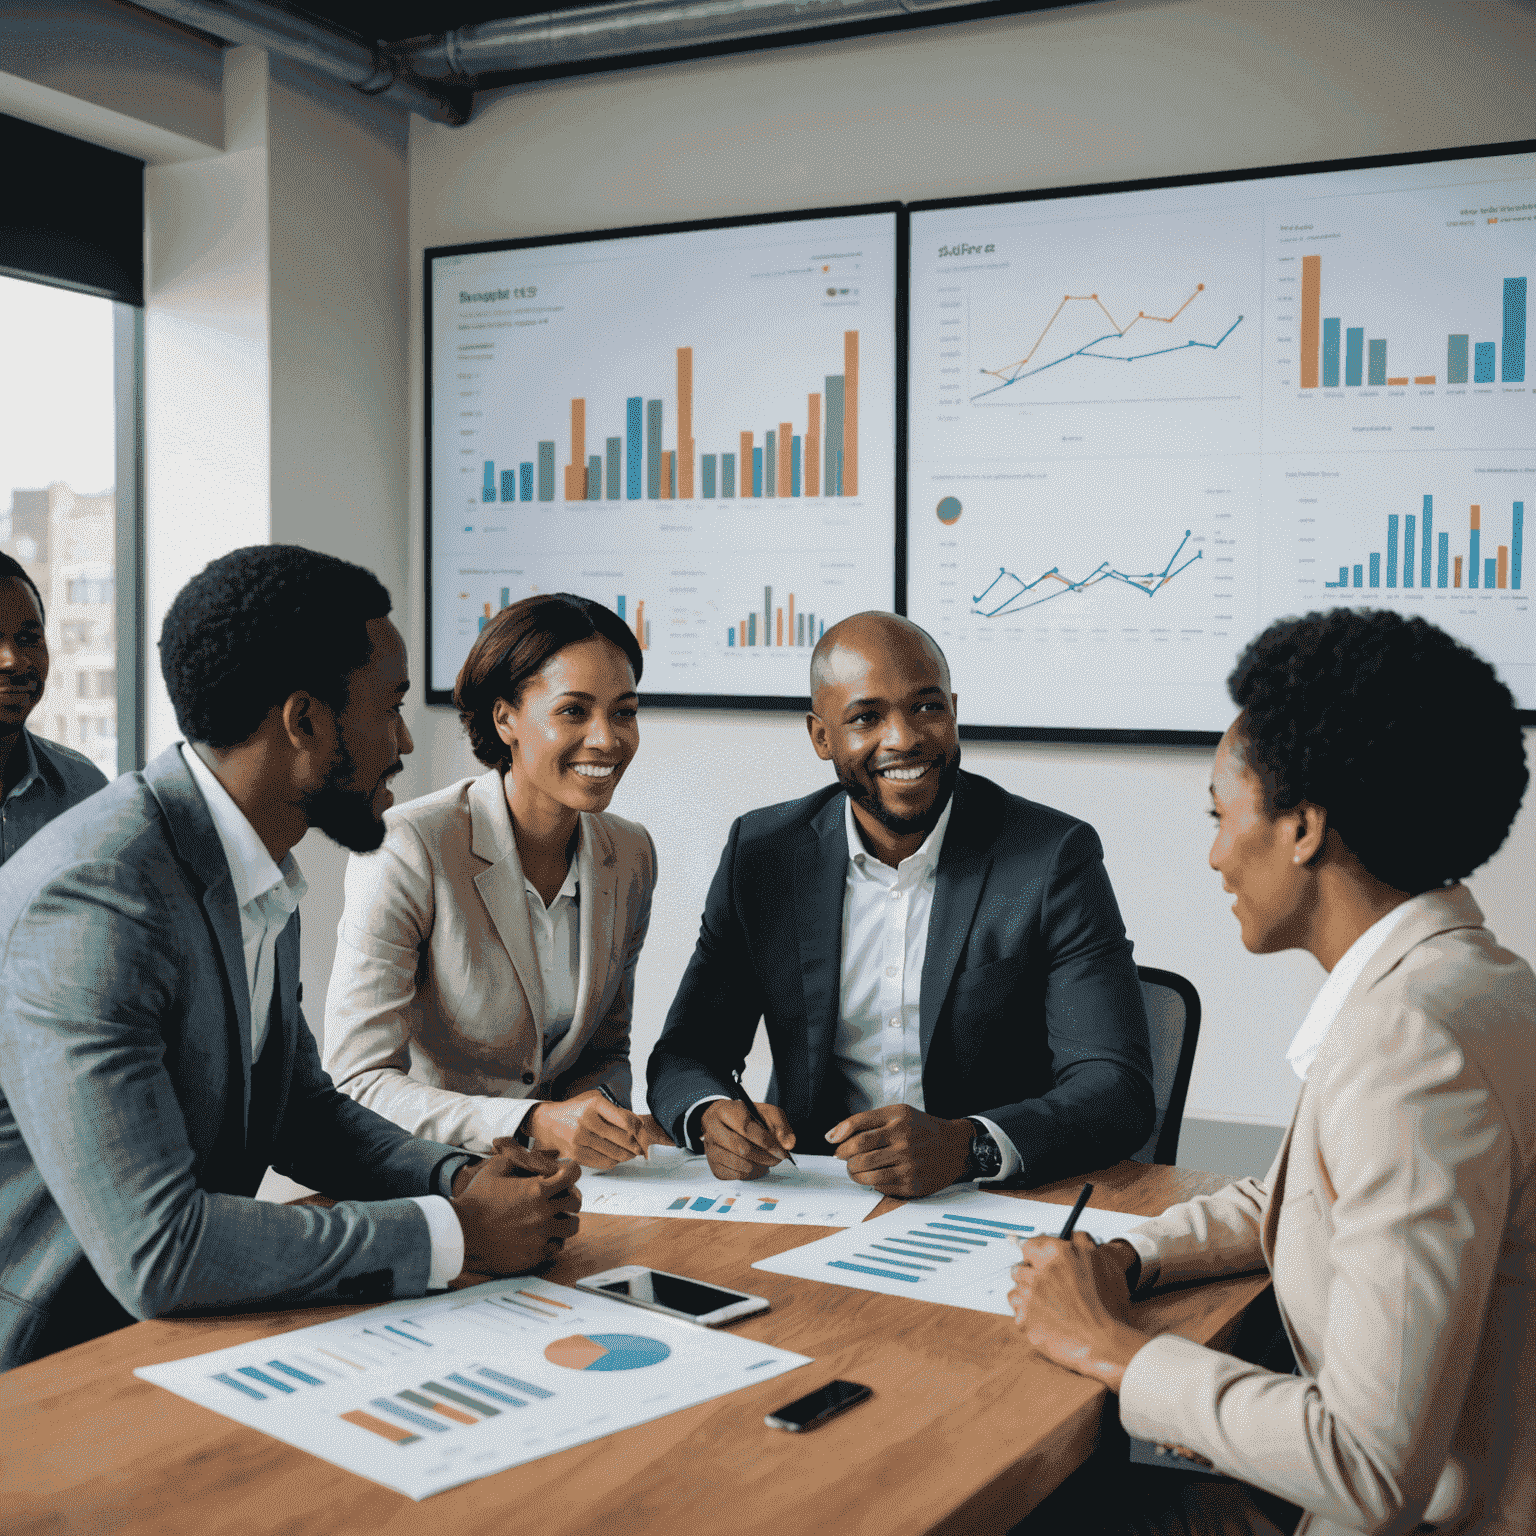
<point>1146,422</point>
<point>695,425</point>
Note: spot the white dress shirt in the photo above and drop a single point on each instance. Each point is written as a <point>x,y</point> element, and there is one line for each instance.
<point>1309,1038</point>
<point>557,943</point>
<point>267,895</point>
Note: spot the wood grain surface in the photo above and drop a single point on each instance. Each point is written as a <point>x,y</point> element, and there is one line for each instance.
<point>967,1431</point>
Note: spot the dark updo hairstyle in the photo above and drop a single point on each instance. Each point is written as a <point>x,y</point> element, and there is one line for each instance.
<point>1403,735</point>
<point>514,646</point>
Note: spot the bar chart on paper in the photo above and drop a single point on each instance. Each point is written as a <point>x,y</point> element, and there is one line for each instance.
<point>669,424</point>
<point>425,1395</point>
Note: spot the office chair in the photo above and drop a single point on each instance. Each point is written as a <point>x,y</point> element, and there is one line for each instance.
<point>1173,1019</point>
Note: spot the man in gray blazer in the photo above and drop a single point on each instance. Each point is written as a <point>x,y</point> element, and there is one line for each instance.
<point>154,1059</point>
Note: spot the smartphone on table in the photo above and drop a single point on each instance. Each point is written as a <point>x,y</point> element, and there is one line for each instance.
<point>676,1295</point>
<point>818,1406</point>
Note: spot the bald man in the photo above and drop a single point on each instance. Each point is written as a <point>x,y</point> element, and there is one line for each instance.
<point>946,981</point>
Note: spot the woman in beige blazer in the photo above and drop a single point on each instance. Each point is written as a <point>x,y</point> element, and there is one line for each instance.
<point>1374,765</point>
<point>485,962</point>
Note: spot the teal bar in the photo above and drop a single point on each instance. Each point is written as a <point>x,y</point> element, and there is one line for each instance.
<point>771,465</point>
<point>1482,362</point>
<point>1490,572</point>
<point>767,615</point>
<point>1392,549</point>
<point>594,477</point>
<point>1410,523</point>
<point>615,447</point>
<point>653,449</point>
<point>1359,573</point>
<point>751,629</point>
<point>1456,359</point>
<point>1354,354</point>
<point>757,471</point>
<point>1443,569</point>
<point>1516,538</point>
<point>525,480</point>
<point>707,474</point>
<point>1375,577</point>
<point>1512,360</point>
<point>727,474</point>
<point>1429,523</point>
<point>1330,354</point>
<point>1376,366</point>
<point>794,465</point>
<point>832,436</point>
<point>1473,565</point>
<point>546,471</point>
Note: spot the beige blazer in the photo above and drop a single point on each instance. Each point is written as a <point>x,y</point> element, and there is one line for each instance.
<point>1399,1222</point>
<point>435,996</point>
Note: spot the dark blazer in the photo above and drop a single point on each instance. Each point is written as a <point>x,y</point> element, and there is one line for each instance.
<point>1031,1013</point>
<point>133,1130</point>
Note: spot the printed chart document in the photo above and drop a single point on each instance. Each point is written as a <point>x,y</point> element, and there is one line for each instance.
<point>953,1248</point>
<point>424,1395</point>
<point>819,1193</point>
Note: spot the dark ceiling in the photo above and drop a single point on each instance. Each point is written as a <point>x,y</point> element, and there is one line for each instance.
<point>390,21</point>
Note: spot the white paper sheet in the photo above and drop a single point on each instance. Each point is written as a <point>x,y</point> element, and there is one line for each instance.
<point>818,1193</point>
<point>424,1395</point>
<point>955,1248</point>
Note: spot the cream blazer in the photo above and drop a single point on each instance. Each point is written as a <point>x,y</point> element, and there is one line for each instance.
<point>1399,1222</point>
<point>432,1017</point>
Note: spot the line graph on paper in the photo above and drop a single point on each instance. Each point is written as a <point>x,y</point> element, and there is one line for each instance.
<point>1076,333</point>
<point>1009,593</point>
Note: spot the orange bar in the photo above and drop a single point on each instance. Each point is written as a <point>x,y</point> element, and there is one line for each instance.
<point>786,431</point>
<point>1457,581</point>
<point>1503,566</point>
<point>639,633</point>
<point>1402,380</point>
<point>685,422</point>
<point>396,1432</point>
<point>576,470</point>
<point>1477,517</point>
<point>850,413</point>
<point>1423,378</point>
<point>668,489</point>
<point>456,1414</point>
<point>811,458</point>
<point>487,610</point>
<point>744,470</point>
<point>779,625</point>
<point>549,1301</point>
<point>1311,309</point>
<point>742,638</point>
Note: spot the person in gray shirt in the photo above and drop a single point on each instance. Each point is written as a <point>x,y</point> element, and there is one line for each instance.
<point>38,779</point>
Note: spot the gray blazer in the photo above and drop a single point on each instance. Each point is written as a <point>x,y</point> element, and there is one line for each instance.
<point>133,1129</point>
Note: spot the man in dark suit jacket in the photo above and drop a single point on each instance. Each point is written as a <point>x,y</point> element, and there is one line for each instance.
<point>943,971</point>
<point>154,1059</point>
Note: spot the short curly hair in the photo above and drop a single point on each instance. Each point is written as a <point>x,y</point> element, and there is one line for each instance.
<point>260,624</point>
<point>514,646</point>
<point>1402,734</point>
<point>14,570</point>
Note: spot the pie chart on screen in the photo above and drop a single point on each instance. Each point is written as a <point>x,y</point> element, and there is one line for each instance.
<point>606,1352</point>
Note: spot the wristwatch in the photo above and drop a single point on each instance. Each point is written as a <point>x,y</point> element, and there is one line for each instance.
<point>985,1158</point>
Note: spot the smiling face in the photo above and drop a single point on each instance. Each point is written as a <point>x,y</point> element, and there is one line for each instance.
<point>885,719</point>
<point>1256,856</point>
<point>573,732</point>
<point>23,655</point>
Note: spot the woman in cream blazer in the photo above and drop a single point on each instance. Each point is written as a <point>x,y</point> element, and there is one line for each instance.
<point>485,965</point>
<point>1375,763</point>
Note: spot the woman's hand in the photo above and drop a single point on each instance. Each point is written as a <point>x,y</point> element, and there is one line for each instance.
<point>592,1130</point>
<point>1069,1298</point>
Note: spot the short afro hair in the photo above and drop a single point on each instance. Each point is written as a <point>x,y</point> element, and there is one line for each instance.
<point>1404,736</point>
<point>514,646</point>
<point>258,625</point>
<point>14,570</point>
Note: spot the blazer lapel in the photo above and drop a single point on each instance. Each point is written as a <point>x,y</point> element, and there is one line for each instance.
<point>820,874</point>
<point>197,845</point>
<point>964,861</point>
<point>597,872</point>
<point>502,887</point>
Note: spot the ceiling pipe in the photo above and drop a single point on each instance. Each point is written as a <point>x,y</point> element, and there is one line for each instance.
<point>369,70</point>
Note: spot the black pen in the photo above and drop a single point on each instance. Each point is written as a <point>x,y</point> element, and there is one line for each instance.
<point>1077,1210</point>
<point>741,1095</point>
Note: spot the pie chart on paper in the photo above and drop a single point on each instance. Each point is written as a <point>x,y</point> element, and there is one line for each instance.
<point>606,1352</point>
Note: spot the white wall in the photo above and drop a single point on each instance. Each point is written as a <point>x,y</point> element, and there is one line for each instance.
<point>1095,93</point>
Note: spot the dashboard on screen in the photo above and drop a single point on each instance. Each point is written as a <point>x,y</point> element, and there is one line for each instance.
<point>694,425</point>
<point>1144,423</point>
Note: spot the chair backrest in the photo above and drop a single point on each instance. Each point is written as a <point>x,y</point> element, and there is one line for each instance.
<point>1173,1020</point>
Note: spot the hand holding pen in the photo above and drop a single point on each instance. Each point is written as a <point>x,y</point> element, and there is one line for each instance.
<point>744,1140</point>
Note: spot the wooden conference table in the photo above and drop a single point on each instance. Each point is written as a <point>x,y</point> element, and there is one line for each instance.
<point>967,1431</point>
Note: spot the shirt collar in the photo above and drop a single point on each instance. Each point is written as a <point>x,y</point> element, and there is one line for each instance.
<point>1330,998</point>
<point>572,885</point>
<point>251,867</point>
<point>919,865</point>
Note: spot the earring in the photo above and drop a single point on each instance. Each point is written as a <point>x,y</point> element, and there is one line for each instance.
<point>1295,858</point>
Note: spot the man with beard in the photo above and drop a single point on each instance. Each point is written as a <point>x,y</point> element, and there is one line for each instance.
<point>154,1059</point>
<point>947,985</point>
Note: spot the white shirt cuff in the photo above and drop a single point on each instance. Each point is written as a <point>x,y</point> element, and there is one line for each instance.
<point>1146,1251</point>
<point>709,1098</point>
<point>1012,1162</point>
<point>447,1240</point>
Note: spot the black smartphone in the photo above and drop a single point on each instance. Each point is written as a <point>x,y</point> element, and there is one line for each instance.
<point>817,1407</point>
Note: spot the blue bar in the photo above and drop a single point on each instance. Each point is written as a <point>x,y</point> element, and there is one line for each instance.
<point>1429,543</point>
<point>296,1373</point>
<point>1410,523</point>
<point>1343,580</point>
<point>730,635</point>
<point>974,1242</point>
<point>1330,354</point>
<point>620,608</point>
<point>390,1327</point>
<point>511,1381</point>
<point>727,474</point>
<point>632,448</point>
<point>1472,565</point>
<point>1456,359</point>
<point>488,493</point>
<point>703,1203</point>
<point>653,449</point>
<point>1392,549</point>
<point>1443,570</point>
<point>509,485</point>
<point>1516,538</point>
<point>757,471</point>
<point>594,477</point>
<point>1359,573</point>
<point>1482,362</point>
<point>905,1264</point>
<point>546,471</point>
<point>615,457</point>
<point>771,464</point>
<point>1354,354</point>
<point>1513,369</point>
<point>982,1221</point>
<point>794,465</point>
<point>864,1269</point>
<point>1375,570</point>
<point>263,1378</point>
<point>1376,366</point>
<point>1490,573</point>
<point>239,1386</point>
<point>480,1386</point>
<point>405,1415</point>
<point>707,474</point>
<point>525,480</point>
